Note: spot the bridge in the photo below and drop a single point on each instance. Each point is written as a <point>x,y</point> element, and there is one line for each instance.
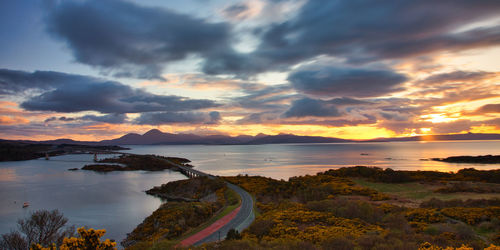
<point>187,171</point>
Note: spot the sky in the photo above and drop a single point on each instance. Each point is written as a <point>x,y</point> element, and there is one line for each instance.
<point>357,69</point>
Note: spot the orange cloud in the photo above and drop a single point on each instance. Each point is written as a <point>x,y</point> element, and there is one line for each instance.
<point>13,120</point>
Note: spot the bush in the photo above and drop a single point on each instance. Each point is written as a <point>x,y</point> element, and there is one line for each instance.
<point>233,234</point>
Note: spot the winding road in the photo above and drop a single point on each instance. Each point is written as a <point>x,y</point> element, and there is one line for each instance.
<point>239,219</point>
<point>244,217</point>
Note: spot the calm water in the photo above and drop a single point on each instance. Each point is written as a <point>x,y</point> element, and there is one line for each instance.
<point>113,201</point>
<point>116,201</point>
<point>286,160</point>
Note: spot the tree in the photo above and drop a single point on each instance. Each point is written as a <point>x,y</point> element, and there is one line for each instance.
<point>41,227</point>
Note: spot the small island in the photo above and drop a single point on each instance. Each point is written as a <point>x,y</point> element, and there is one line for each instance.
<point>132,162</point>
<point>481,159</point>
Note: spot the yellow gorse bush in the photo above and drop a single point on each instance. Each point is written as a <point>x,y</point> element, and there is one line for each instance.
<point>429,246</point>
<point>89,240</point>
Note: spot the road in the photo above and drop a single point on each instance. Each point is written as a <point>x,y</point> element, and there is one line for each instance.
<point>242,220</point>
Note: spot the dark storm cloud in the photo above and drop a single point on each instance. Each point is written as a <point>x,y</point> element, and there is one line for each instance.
<point>489,108</point>
<point>364,31</point>
<point>311,107</point>
<point>458,76</point>
<point>159,118</point>
<point>109,118</point>
<point>331,81</point>
<point>109,97</point>
<point>74,93</point>
<point>131,40</point>
<point>14,82</point>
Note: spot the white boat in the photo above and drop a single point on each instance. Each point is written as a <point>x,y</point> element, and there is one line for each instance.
<point>26,204</point>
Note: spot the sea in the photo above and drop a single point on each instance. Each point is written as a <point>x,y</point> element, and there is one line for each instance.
<point>117,202</point>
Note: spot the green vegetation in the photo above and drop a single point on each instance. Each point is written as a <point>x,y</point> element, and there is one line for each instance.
<point>335,212</point>
<point>136,162</point>
<point>194,189</point>
<point>210,200</point>
<point>171,220</point>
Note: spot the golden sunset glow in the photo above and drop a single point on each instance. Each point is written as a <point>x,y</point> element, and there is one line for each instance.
<point>253,68</point>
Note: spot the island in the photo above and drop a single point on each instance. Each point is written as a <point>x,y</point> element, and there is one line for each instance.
<point>481,159</point>
<point>134,162</point>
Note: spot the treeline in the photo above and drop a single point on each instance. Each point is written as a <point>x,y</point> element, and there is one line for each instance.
<point>399,176</point>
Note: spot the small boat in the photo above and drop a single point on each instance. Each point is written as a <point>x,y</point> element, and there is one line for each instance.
<point>26,204</point>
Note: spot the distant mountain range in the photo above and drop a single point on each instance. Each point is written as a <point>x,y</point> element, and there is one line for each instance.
<point>156,137</point>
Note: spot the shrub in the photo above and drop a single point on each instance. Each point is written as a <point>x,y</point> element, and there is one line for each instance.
<point>233,234</point>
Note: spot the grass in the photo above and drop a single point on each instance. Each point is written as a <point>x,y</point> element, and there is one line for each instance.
<point>419,192</point>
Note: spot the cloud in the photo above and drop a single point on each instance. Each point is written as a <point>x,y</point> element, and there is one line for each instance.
<point>395,116</point>
<point>159,118</point>
<point>332,81</point>
<point>66,119</point>
<point>236,11</point>
<point>14,82</point>
<point>74,93</point>
<point>362,31</point>
<point>110,118</point>
<point>12,120</point>
<point>271,98</point>
<point>130,40</point>
<point>489,108</point>
<point>215,117</point>
<point>310,107</point>
<point>458,76</point>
